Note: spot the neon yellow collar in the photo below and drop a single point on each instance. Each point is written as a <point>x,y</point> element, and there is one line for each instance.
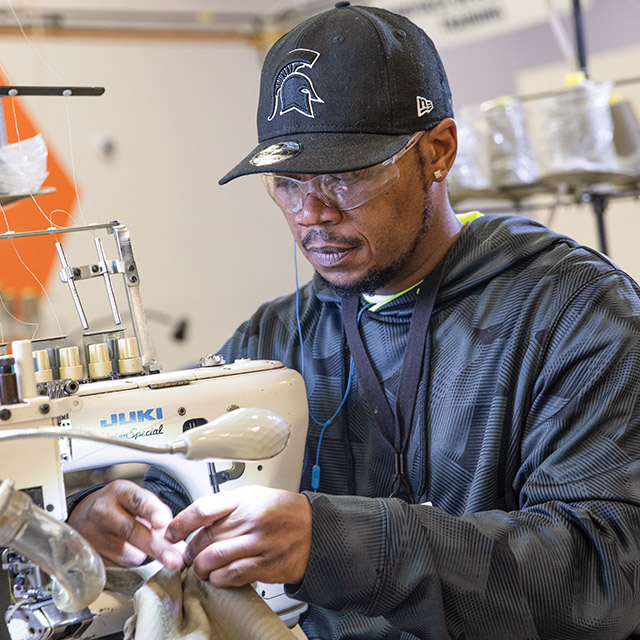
<point>380,300</point>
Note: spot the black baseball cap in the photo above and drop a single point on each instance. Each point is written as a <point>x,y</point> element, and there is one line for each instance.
<point>345,90</point>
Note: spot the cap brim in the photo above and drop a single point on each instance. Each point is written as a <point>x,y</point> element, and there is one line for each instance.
<point>318,153</point>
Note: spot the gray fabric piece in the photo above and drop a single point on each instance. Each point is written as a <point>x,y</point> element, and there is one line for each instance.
<point>175,605</point>
<point>126,581</point>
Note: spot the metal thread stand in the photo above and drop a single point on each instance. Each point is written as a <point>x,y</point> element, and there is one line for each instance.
<point>599,201</point>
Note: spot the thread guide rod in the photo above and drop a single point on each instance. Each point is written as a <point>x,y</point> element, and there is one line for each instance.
<point>107,281</point>
<point>72,285</point>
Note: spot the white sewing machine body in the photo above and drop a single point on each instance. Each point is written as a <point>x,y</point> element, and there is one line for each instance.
<point>161,406</point>
<point>146,407</point>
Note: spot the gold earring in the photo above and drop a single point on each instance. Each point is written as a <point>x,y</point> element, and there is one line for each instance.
<point>437,174</point>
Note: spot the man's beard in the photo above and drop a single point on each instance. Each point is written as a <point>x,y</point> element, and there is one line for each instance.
<point>378,277</point>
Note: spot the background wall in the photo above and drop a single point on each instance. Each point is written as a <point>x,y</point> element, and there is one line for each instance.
<point>177,114</point>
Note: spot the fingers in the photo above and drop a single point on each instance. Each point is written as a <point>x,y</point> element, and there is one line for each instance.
<point>202,513</point>
<point>126,523</point>
<point>152,543</point>
<point>237,574</point>
<point>142,523</point>
<point>118,553</point>
<point>143,504</point>
<point>216,557</point>
<point>247,534</point>
<point>232,562</point>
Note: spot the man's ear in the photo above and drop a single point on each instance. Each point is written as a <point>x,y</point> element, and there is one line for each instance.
<point>443,145</point>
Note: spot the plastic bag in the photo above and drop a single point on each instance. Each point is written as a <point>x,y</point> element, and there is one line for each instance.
<point>579,129</point>
<point>23,166</point>
<point>511,161</point>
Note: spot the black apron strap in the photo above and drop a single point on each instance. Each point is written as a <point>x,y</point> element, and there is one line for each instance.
<point>367,377</point>
<point>415,351</point>
<point>395,427</point>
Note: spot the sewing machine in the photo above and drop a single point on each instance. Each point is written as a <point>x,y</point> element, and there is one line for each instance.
<point>112,386</point>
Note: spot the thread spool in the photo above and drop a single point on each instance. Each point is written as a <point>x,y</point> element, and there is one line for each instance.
<point>70,365</point>
<point>129,362</point>
<point>43,373</point>
<point>99,361</point>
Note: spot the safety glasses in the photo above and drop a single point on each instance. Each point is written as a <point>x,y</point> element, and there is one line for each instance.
<point>343,191</point>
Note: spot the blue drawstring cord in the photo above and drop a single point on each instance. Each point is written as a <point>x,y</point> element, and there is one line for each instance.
<point>315,473</point>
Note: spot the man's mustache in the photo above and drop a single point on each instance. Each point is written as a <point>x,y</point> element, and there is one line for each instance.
<point>324,236</point>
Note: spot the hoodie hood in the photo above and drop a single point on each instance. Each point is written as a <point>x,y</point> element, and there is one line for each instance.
<point>492,244</point>
<point>487,246</point>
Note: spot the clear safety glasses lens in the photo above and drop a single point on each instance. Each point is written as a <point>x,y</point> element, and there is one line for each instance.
<point>344,191</point>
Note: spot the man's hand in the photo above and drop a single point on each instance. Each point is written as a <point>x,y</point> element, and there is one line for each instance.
<point>126,523</point>
<point>250,533</point>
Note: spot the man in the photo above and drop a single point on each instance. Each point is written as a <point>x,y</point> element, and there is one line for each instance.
<point>472,465</point>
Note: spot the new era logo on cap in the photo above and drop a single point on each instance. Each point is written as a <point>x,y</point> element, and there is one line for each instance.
<point>424,106</point>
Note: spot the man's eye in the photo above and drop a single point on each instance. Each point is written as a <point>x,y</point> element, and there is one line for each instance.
<point>283,184</point>
<point>351,177</point>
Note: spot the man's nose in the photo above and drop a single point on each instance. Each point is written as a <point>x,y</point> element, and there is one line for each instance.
<point>317,210</point>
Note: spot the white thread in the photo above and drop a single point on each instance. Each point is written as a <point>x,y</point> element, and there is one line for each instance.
<point>15,121</point>
<point>73,167</point>
<point>58,226</point>
<point>6,74</point>
<point>22,31</point>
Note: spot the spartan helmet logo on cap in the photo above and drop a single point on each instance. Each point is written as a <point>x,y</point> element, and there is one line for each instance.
<point>292,89</point>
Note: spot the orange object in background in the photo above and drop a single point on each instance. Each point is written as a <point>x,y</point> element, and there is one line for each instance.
<point>38,253</point>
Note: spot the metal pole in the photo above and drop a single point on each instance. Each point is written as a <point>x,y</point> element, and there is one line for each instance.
<point>581,50</point>
<point>599,202</point>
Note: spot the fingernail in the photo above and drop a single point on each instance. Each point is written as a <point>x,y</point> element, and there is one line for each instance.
<point>171,560</point>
